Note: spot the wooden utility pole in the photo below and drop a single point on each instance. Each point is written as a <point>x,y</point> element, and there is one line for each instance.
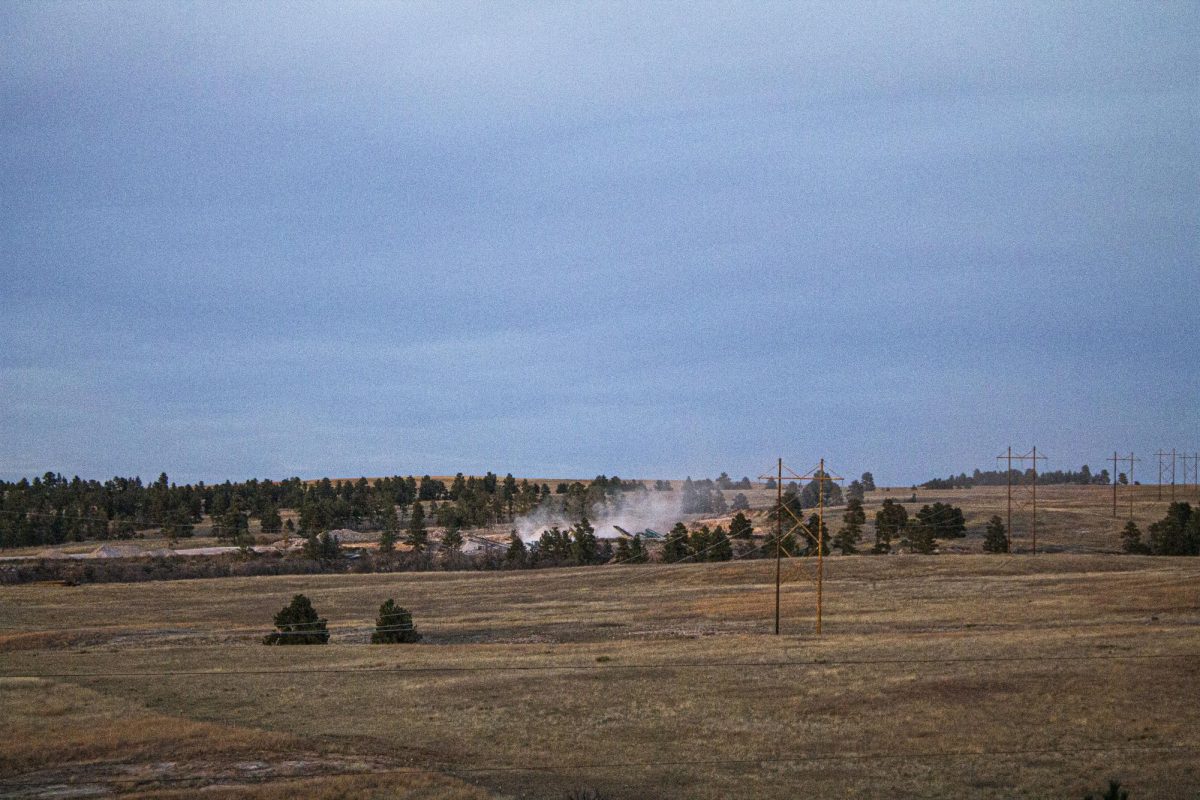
<point>1114,483</point>
<point>820,538</point>
<point>1035,458</point>
<point>1172,474</point>
<point>778,536</point>
<point>1008,475</point>
<point>1161,454</point>
<point>820,477</point>
<point>1131,484</point>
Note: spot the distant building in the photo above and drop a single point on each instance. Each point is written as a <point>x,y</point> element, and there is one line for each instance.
<point>473,545</point>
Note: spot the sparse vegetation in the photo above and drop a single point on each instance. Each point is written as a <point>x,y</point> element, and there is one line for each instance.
<point>585,794</point>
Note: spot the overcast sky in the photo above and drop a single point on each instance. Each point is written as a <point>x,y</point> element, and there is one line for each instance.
<point>254,240</point>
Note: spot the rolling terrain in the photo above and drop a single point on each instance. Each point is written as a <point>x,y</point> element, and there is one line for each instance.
<point>936,676</point>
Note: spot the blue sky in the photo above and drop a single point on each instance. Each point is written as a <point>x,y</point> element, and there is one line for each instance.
<point>250,240</point>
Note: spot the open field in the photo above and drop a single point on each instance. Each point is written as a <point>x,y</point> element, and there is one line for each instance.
<point>980,676</point>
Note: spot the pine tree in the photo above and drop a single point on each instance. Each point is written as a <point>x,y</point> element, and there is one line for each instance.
<point>394,625</point>
<point>675,546</point>
<point>387,541</point>
<point>452,539</point>
<point>517,553</point>
<point>1176,534</point>
<point>920,536</point>
<point>298,623</point>
<point>995,540</point>
<point>386,517</point>
<point>325,547</point>
<point>889,521</point>
<point>177,525</point>
<point>868,482</point>
<point>270,521</point>
<point>946,521</point>
<point>850,534</point>
<point>637,550</point>
<point>623,554</point>
<point>418,537</point>
<point>698,543</point>
<point>817,532</point>
<point>233,527</point>
<point>720,548</point>
<point>740,527</point>
<point>1131,539</point>
<point>585,548</point>
<point>821,486</point>
<point>331,547</point>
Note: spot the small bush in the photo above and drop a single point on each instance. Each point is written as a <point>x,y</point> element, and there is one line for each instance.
<point>584,794</point>
<point>394,625</point>
<point>1115,792</point>
<point>298,623</point>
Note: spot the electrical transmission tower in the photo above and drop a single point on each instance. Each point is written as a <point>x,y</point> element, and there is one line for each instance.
<point>1166,467</point>
<point>1195,459</point>
<point>794,524</point>
<point>1116,459</point>
<point>1032,457</point>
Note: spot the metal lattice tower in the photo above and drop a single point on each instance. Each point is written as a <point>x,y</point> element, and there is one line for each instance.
<point>1032,457</point>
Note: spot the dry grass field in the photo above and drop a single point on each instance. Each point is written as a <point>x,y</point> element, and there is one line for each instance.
<point>936,676</point>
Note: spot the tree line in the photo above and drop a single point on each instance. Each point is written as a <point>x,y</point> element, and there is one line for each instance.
<point>1083,477</point>
<point>52,509</point>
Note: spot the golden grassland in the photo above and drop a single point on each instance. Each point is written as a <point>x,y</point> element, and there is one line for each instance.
<point>936,676</point>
